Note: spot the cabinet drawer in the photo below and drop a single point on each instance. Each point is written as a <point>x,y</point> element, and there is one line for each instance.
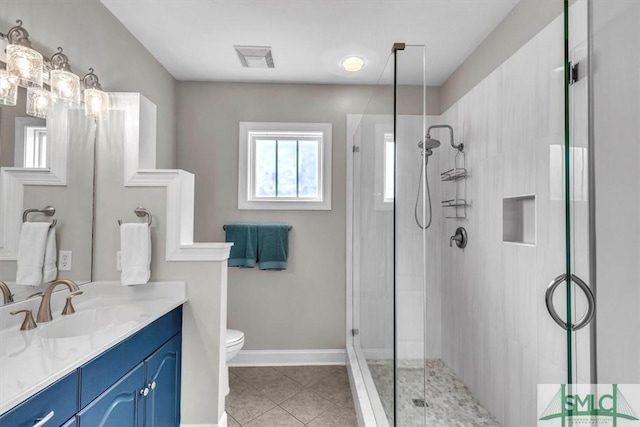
<point>60,397</point>
<point>118,406</point>
<point>100,373</point>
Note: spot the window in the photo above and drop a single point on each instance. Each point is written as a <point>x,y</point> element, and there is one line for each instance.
<point>35,147</point>
<point>389,168</point>
<point>285,166</point>
<point>30,149</point>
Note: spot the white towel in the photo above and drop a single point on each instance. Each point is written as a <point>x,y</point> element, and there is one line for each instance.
<point>49,269</point>
<point>31,249</point>
<point>135,253</point>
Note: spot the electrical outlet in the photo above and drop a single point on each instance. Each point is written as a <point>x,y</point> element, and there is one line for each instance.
<point>65,259</point>
<point>118,261</point>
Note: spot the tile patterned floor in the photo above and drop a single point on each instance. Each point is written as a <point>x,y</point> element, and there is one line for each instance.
<point>290,396</point>
<point>451,403</point>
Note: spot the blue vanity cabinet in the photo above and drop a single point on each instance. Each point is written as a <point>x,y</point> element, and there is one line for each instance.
<point>120,405</point>
<point>57,403</point>
<point>135,383</point>
<point>162,404</point>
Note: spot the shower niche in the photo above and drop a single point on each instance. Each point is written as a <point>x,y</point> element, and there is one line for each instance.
<point>519,219</point>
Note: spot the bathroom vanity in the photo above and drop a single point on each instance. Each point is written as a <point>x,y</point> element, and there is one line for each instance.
<point>116,361</point>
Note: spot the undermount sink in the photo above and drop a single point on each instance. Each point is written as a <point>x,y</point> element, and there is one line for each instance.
<point>90,321</point>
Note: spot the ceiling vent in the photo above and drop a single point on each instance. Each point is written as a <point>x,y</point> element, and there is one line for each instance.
<point>255,56</point>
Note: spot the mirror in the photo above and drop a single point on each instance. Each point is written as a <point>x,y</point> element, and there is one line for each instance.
<point>47,162</point>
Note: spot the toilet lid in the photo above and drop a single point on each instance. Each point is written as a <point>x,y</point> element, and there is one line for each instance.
<point>234,336</point>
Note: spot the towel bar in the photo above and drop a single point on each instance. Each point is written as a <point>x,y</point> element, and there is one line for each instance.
<point>47,210</point>
<point>224,227</point>
<point>140,212</point>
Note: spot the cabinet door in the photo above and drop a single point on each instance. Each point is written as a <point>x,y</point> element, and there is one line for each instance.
<point>162,405</point>
<point>119,406</point>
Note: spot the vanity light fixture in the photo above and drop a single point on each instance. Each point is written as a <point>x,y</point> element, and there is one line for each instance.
<point>38,102</point>
<point>353,63</point>
<point>23,63</point>
<point>8,89</point>
<point>28,68</point>
<point>96,101</point>
<point>65,86</point>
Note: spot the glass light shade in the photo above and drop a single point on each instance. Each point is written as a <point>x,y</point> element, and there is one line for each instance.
<point>96,104</point>
<point>65,86</point>
<point>38,102</point>
<point>353,63</point>
<point>8,89</point>
<point>25,64</point>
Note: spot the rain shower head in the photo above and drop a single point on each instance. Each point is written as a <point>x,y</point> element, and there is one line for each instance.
<point>428,143</point>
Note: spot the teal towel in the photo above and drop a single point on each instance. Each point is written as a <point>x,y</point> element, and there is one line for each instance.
<point>244,251</point>
<point>273,246</point>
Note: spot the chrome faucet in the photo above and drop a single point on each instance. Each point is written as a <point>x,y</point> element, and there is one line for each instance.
<point>44,312</point>
<point>6,292</point>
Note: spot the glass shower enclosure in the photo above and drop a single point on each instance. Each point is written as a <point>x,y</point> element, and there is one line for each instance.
<point>480,274</point>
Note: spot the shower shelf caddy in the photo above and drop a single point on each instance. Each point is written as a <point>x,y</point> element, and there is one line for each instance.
<point>458,176</point>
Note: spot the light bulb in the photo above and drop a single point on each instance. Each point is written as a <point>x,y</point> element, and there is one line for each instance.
<point>8,89</point>
<point>353,63</point>
<point>38,102</point>
<point>25,65</point>
<point>65,87</point>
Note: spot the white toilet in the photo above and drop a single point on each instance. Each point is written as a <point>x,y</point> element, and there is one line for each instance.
<point>235,341</point>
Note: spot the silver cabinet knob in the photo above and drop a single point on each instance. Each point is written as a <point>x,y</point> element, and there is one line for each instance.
<point>152,386</point>
<point>144,392</point>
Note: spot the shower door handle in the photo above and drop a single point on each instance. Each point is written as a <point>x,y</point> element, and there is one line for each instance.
<point>591,310</point>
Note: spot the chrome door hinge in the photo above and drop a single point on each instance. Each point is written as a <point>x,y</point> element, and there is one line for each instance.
<point>574,72</point>
<point>356,149</point>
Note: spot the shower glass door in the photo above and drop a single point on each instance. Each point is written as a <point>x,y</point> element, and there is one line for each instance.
<point>372,249</point>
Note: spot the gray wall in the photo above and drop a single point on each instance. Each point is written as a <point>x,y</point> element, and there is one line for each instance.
<point>304,306</point>
<point>524,21</point>
<point>92,37</point>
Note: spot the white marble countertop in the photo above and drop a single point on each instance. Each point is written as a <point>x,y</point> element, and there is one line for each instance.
<point>32,360</point>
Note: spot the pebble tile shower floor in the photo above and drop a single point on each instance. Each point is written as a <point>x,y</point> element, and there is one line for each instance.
<point>450,402</point>
<point>293,396</point>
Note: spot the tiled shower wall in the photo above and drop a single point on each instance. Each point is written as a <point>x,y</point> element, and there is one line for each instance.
<point>497,334</point>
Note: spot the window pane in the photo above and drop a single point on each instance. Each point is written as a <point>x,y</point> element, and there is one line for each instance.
<point>389,170</point>
<point>265,168</point>
<point>308,168</point>
<point>287,169</point>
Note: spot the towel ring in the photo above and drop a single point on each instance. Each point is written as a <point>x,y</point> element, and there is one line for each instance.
<point>47,210</point>
<point>140,212</point>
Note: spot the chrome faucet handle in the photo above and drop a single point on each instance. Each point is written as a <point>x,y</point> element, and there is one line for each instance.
<point>68,307</point>
<point>28,323</point>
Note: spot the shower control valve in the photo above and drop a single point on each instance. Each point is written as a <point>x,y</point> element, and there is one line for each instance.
<point>460,238</point>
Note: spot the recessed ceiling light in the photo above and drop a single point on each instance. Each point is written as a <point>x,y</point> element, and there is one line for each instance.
<point>353,63</point>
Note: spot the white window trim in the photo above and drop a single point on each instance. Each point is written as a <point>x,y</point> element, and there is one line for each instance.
<point>245,161</point>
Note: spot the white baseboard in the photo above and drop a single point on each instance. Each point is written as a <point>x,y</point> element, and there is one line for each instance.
<point>222,422</point>
<point>289,357</point>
